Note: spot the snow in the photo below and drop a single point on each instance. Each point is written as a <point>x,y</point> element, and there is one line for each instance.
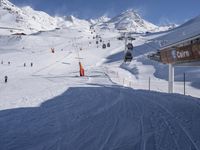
<point>100,20</point>
<point>129,20</point>
<point>123,119</point>
<point>48,106</point>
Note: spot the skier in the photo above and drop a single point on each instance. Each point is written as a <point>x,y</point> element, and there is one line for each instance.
<point>24,64</point>
<point>9,63</point>
<point>6,79</point>
<point>2,62</point>
<point>52,50</point>
<point>31,64</point>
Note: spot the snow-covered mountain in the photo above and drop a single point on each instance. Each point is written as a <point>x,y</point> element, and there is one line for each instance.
<point>167,27</point>
<point>28,20</point>
<point>129,20</point>
<point>72,22</point>
<point>25,18</point>
<point>100,20</point>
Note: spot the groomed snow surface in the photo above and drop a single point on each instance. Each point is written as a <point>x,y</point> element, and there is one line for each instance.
<point>49,107</point>
<point>104,118</point>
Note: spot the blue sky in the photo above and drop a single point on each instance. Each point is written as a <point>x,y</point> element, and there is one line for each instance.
<point>156,11</point>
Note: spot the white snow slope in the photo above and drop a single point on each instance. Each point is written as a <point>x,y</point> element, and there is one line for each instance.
<point>49,107</point>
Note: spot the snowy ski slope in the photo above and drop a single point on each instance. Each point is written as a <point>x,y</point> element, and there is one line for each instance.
<point>49,107</point>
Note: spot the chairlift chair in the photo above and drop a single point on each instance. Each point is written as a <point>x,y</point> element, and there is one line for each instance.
<point>130,46</point>
<point>128,57</point>
<point>104,46</point>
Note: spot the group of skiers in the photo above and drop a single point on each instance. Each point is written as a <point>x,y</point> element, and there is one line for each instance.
<point>31,64</point>
<point>3,62</point>
<point>6,77</point>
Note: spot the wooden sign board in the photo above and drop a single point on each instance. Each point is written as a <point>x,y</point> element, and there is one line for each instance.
<point>183,54</point>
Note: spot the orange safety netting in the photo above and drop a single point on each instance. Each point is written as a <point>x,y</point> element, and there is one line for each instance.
<point>82,71</point>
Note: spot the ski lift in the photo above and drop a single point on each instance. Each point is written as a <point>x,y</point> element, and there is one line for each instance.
<point>108,44</point>
<point>128,57</point>
<point>130,46</point>
<point>104,46</point>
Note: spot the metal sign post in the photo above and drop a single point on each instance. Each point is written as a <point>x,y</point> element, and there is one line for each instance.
<point>171,79</point>
<point>184,83</point>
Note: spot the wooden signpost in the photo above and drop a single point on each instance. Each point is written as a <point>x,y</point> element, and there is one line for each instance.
<point>185,53</point>
<point>182,54</point>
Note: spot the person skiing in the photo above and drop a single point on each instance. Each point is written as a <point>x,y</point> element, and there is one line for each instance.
<point>31,64</point>
<point>52,50</point>
<point>24,64</point>
<point>6,79</point>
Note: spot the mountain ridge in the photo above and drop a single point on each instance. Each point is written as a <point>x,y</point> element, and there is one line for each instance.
<point>30,20</point>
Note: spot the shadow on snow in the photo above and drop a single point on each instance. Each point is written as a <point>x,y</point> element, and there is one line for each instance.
<point>92,118</point>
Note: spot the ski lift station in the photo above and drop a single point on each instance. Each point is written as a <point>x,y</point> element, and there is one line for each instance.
<point>185,52</point>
